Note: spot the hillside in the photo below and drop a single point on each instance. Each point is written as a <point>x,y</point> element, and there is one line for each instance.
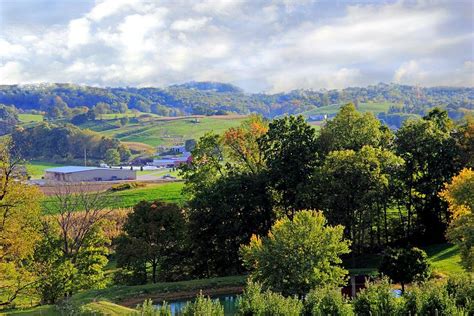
<point>210,98</point>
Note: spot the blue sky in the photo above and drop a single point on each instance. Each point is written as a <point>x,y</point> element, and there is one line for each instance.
<point>269,46</point>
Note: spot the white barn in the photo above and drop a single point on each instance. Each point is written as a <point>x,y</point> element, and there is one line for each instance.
<point>78,174</point>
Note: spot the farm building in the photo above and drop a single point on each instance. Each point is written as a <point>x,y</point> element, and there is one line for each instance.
<point>78,174</point>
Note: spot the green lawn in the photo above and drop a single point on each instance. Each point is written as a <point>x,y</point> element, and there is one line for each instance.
<point>36,168</point>
<point>444,258</point>
<point>27,118</point>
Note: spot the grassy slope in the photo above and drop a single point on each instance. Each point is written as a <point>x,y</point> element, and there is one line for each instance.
<point>166,132</point>
<point>444,259</point>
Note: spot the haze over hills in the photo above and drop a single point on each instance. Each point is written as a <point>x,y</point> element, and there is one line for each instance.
<point>210,98</point>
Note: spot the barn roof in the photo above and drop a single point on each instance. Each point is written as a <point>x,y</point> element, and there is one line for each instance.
<point>71,169</point>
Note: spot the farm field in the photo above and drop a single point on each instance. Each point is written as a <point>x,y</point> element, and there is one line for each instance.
<point>28,118</point>
<point>167,192</point>
<point>166,132</point>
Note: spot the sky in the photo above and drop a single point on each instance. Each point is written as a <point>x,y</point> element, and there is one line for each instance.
<point>260,46</point>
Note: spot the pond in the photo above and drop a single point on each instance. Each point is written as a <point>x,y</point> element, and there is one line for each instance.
<point>228,301</point>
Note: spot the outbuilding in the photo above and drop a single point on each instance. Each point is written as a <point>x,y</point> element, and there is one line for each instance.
<point>79,174</point>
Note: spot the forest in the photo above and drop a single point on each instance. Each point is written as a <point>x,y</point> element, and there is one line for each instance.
<point>287,207</point>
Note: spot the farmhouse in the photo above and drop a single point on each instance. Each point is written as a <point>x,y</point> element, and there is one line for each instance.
<point>78,174</point>
<point>172,162</point>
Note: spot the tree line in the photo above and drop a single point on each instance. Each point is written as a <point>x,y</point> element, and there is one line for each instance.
<point>66,143</point>
<point>210,98</point>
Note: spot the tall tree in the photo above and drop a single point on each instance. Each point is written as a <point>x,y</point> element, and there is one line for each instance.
<point>431,159</point>
<point>156,230</point>
<point>289,150</point>
<point>351,129</point>
<point>225,215</point>
<point>353,189</point>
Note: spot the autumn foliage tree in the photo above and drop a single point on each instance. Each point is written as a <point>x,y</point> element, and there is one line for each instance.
<point>459,194</point>
<point>19,227</point>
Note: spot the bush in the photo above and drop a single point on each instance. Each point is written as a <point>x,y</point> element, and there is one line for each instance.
<point>254,302</point>
<point>461,288</point>
<point>376,299</point>
<point>327,301</point>
<point>203,306</point>
<point>413,300</point>
<point>436,301</point>
<point>126,186</point>
<point>148,309</point>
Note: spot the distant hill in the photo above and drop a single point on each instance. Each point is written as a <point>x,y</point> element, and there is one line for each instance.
<point>211,98</point>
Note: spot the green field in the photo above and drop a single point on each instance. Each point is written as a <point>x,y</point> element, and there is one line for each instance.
<point>363,107</point>
<point>36,169</point>
<point>28,118</point>
<point>168,192</point>
<point>166,132</point>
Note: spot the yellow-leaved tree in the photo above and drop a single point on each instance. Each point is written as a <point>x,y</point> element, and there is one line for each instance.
<point>459,194</point>
<point>19,224</point>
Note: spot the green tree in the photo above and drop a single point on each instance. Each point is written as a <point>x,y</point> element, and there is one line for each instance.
<point>353,189</point>
<point>157,232</point>
<point>297,255</point>
<point>431,159</point>
<point>112,157</point>
<point>289,151</point>
<point>405,265</point>
<point>224,216</point>
<point>203,306</point>
<point>124,121</point>
<point>351,129</point>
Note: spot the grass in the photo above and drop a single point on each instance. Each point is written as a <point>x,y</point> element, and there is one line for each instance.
<point>158,132</point>
<point>444,259</point>
<point>28,118</point>
<point>36,168</point>
<point>168,192</point>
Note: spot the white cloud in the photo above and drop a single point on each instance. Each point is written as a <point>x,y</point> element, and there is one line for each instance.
<point>278,46</point>
<point>79,32</point>
<point>189,24</point>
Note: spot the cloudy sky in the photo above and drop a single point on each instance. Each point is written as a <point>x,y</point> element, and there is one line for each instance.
<point>258,45</point>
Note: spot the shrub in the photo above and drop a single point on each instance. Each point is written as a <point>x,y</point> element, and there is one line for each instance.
<point>436,301</point>
<point>327,301</point>
<point>376,299</point>
<point>148,309</point>
<point>254,302</point>
<point>461,288</point>
<point>413,300</point>
<point>203,306</point>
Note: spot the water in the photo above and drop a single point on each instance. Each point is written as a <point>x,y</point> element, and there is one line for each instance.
<point>228,301</point>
